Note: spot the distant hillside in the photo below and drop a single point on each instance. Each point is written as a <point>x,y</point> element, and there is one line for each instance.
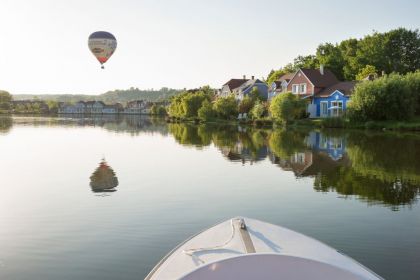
<point>121,96</point>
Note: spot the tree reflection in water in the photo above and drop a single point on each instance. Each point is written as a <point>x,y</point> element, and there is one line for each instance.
<point>103,179</point>
<point>375,167</point>
<point>6,124</point>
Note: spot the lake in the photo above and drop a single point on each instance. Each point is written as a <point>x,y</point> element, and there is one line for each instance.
<point>108,197</point>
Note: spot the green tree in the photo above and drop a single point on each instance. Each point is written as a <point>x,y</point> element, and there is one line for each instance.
<point>52,106</point>
<point>157,110</point>
<point>186,105</point>
<point>258,111</point>
<point>402,50</point>
<point>348,50</point>
<point>331,57</point>
<point>226,107</point>
<point>286,107</point>
<point>371,51</point>
<point>365,72</point>
<point>275,75</point>
<point>206,111</point>
<point>246,104</point>
<point>308,61</point>
<point>5,100</point>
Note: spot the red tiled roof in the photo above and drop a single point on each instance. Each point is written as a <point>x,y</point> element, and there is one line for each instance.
<point>345,88</point>
<point>314,75</point>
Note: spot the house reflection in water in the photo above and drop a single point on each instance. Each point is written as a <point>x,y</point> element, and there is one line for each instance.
<point>298,162</point>
<point>334,146</point>
<point>240,153</point>
<point>103,179</point>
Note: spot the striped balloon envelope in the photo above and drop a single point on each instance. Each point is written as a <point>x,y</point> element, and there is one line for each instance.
<point>102,44</point>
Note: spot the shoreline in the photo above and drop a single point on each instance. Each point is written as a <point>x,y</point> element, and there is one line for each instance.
<point>413,125</point>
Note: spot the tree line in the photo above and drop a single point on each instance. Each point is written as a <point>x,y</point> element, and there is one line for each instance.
<point>115,96</point>
<point>396,51</point>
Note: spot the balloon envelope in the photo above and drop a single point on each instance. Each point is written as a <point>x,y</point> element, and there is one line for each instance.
<point>102,44</point>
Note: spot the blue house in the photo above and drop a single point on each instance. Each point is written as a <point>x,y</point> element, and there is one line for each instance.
<point>332,101</point>
<point>246,88</point>
<point>326,95</point>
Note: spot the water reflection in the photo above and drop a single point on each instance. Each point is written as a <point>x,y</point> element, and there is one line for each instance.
<point>103,179</point>
<point>6,123</point>
<point>377,168</point>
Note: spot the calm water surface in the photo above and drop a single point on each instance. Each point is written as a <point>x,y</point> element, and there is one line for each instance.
<point>106,198</point>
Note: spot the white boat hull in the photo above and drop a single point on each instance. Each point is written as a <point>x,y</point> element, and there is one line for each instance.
<point>248,245</point>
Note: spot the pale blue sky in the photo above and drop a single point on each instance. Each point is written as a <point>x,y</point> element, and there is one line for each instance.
<point>174,43</point>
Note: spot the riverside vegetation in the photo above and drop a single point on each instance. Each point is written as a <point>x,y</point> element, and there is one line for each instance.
<point>391,101</point>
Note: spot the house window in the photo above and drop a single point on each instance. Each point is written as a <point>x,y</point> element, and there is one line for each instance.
<point>295,88</point>
<point>336,108</point>
<point>324,108</point>
<point>302,88</point>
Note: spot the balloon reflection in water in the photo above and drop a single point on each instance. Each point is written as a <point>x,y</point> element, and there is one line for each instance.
<point>103,179</point>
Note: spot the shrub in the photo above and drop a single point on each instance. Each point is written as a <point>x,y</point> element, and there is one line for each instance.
<point>258,111</point>
<point>157,110</point>
<point>226,107</point>
<point>413,81</point>
<point>246,105</point>
<point>186,105</point>
<point>287,107</point>
<point>334,122</point>
<point>206,111</point>
<point>386,98</point>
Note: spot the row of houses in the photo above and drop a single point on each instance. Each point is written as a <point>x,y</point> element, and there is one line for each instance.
<point>326,96</point>
<point>137,107</point>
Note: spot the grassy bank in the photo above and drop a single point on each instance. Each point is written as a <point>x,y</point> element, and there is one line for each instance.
<point>412,125</point>
<point>266,122</point>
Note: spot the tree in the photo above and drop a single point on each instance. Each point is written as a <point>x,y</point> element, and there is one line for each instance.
<point>52,106</point>
<point>331,57</point>
<point>258,110</point>
<point>365,72</point>
<point>309,61</point>
<point>226,107</point>
<point>286,107</point>
<point>402,50</point>
<point>5,100</point>
<point>246,105</point>
<point>206,111</point>
<point>371,51</point>
<point>186,105</point>
<point>348,50</point>
<point>157,110</point>
<point>275,75</point>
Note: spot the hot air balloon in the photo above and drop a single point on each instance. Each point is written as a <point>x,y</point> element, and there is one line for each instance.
<point>102,44</point>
